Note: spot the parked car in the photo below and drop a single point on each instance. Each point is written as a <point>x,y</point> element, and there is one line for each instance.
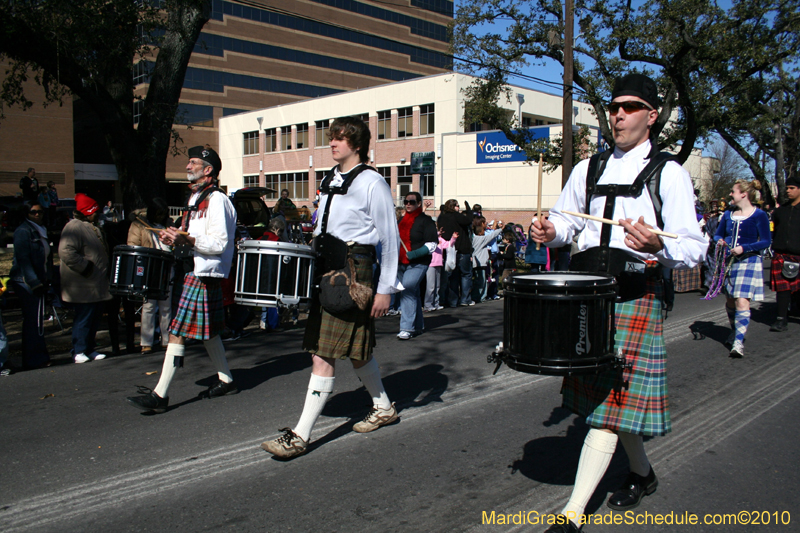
<point>251,210</point>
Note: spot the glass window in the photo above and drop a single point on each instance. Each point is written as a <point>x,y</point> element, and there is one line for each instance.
<point>286,138</point>
<point>320,176</point>
<point>364,117</point>
<point>404,174</point>
<point>384,124</point>
<point>272,182</point>
<point>251,181</point>
<point>386,172</point>
<point>271,139</point>
<point>322,133</point>
<point>302,136</point>
<point>405,119</point>
<point>250,142</point>
<point>426,119</point>
<point>297,183</point>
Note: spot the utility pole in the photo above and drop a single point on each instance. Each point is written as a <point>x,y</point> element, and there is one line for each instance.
<point>566,136</point>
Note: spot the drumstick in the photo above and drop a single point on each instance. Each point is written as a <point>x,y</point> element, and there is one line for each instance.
<point>143,223</point>
<point>539,201</point>
<point>615,223</point>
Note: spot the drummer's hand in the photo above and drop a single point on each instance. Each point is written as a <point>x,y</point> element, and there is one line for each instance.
<point>380,305</point>
<point>542,232</point>
<point>737,251</point>
<point>639,237</point>
<point>173,237</point>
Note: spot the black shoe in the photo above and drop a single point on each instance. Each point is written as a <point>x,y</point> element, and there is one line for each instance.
<point>149,402</point>
<point>780,325</point>
<point>631,493</point>
<point>222,388</point>
<point>231,336</point>
<point>563,525</point>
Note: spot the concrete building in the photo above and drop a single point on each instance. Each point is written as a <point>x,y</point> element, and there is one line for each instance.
<point>264,53</point>
<point>285,146</point>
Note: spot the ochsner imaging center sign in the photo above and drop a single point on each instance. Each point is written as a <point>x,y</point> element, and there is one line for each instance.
<point>494,146</point>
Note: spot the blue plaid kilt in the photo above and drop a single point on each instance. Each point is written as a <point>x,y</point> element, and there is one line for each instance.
<point>632,400</point>
<point>201,314</point>
<point>746,279</point>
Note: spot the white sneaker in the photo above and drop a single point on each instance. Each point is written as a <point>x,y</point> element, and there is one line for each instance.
<point>738,350</point>
<point>438,308</point>
<point>404,335</point>
<point>262,325</point>
<point>81,358</point>
<point>97,356</point>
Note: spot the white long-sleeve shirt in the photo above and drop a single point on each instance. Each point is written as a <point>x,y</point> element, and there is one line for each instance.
<point>366,215</point>
<point>214,230</point>
<point>677,211</point>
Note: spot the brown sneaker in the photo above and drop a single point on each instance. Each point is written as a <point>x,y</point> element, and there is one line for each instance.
<point>287,446</point>
<point>147,349</point>
<point>376,418</point>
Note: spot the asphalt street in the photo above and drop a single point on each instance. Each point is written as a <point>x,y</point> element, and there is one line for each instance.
<point>76,457</point>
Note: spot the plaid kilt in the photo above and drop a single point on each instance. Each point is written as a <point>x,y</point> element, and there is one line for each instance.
<point>633,400</point>
<point>746,279</point>
<point>200,313</point>
<point>687,279</point>
<point>347,335</point>
<point>777,282</point>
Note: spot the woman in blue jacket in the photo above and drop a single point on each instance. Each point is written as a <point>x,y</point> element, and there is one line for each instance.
<point>30,273</point>
<point>745,231</point>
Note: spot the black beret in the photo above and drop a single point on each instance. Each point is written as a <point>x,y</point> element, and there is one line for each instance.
<point>795,182</point>
<point>207,154</point>
<point>637,85</point>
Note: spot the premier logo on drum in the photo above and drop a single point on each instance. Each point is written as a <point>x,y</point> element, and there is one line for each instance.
<point>583,346</point>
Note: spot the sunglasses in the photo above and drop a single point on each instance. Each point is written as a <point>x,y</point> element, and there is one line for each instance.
<point>629,107</point>
<point>36,211</point>
<point>409,202</point>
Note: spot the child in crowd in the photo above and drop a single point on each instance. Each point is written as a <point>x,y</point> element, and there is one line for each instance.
<point>434,274</point>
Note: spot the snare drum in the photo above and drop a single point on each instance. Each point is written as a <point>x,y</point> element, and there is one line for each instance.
<point>141,272</point>
<point>274,274</point>
<point>559,323</point>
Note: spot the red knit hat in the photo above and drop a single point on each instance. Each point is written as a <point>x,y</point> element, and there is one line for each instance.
<point>85,205</point>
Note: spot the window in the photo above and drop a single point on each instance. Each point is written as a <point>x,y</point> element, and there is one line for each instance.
<point>302,136</point>
<point>251,181</point>
<point>405,119</point>
<point>286,138</point>
<point>272,183</point>
<point>322,133</point>
<point>194,115</point>
<point>384,124</point>
<point>320,177</point>
<point>271,140</point>
<point>426,119</point>
<point>296,182</point>
<point>386,172</point>
<point>426,184</point>
<point>138,105</point>
<point>364,117</point>
<point>404,174</point>
<point>250,142</point>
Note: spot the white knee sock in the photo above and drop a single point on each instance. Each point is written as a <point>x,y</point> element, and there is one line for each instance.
<point>598,449</point>
<point>319,388</point>
<point>168,369</point>
<point>370,376</point>
<point>216,351</point>
<point>634,447</point>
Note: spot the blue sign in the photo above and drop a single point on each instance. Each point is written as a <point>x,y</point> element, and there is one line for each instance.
<point>494,146</point>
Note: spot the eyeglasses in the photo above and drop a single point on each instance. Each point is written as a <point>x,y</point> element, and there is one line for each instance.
<point>629,107</point>
<point>36,212</point>
<point>409,202</point>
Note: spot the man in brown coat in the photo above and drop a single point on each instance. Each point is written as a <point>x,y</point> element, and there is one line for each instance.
<point>84,276</point>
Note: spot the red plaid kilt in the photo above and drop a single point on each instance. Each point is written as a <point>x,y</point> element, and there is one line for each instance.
<point>776,280</point>
<point>200,313</point>
<point>347,335</point>
<point>633,400</point>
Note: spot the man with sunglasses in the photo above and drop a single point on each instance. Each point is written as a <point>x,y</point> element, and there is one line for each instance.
<point>625,404</point>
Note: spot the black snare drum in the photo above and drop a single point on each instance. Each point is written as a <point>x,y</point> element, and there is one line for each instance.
<point>140,271</point>
<point>274,274</point>
<point>559,323</point>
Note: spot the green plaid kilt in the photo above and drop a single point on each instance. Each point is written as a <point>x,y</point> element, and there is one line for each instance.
<point>347,335</point>
<point>633,400</point>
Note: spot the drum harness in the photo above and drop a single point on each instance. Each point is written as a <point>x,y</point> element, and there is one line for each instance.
<point>183,253</point>
<point>630,272</point>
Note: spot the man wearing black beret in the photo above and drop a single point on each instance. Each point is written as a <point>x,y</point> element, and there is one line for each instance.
<point>207,234</point>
